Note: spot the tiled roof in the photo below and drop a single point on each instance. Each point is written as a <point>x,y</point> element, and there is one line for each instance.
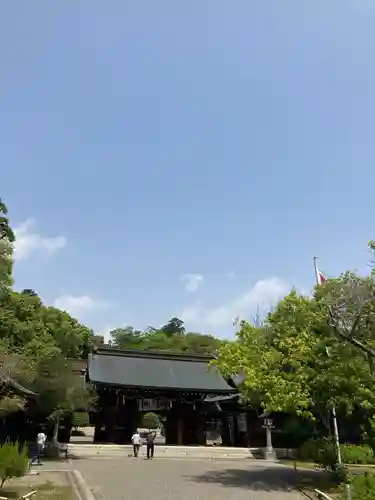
<point>140,369</point>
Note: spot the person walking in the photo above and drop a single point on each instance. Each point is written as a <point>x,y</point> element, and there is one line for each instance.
<point>136,440</point>
<point>40,444</point>
<point>150,444</point>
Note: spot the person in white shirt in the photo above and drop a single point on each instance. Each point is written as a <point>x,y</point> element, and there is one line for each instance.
<point>40,443</point>
<point>136,440</point>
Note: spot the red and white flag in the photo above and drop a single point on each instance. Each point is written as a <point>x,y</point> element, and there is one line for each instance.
<point>320,277</point>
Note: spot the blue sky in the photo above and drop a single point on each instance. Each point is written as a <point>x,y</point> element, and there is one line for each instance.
<point>185,158</point>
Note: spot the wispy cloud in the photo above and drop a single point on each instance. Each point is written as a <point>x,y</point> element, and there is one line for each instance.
<point>80,305</point>
<point>30,241</point>
<point>262,296</point>
<point>192,282</point>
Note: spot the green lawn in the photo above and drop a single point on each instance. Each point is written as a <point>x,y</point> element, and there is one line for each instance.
<point>300,464</point>
<point>46,491</point>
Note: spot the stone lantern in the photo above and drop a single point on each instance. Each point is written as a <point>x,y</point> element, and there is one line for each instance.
<point>269,453</point>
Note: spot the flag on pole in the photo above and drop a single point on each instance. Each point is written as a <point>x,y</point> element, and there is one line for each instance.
<point>320,277</point>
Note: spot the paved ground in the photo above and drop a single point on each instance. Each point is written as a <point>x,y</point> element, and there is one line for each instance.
<point>170,479</point>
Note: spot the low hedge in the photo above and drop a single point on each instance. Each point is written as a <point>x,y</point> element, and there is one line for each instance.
<point>14,461</point>
<point>81,419</point>
<point>352,454</point>
<point>323,452</point>
<point>362,487</point>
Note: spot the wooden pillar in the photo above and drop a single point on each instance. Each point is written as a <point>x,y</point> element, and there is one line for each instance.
<point>236,437</point>
<point>227,433</point>
<point>180,430</point>
<point>129,419</point>
<point>201,434</point>
<point>171,434</point>
<point>100,435</point>
<point>111,418</point>
<point>248,430</point>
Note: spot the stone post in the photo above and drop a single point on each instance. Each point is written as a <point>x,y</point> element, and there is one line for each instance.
<point>270,453</point>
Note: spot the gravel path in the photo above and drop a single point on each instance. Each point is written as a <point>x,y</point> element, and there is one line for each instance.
<point>180,479</point>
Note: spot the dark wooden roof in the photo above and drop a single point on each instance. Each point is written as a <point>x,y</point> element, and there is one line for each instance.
<point>150,370</point>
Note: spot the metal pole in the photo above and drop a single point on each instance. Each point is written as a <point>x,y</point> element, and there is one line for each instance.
<point>316,270</point>
<point>334,416</point>
<point>336,436</point>
<point>335,427</point>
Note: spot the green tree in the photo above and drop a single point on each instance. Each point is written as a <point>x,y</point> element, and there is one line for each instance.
<point>175,326</point>
<point>285,365</point>
<point>61,391</point>
<point>27,325</point>
<point>126,338</point>
<point>35,341</point>
<point>81,419</point>
<point>7,239</point>
<point>13,461</point>
<point>159,341</point>
<point>150,420</point>
<point>197,343</point>
<point>348,302</point>
<point>72,338</point>
<point>14,369</point>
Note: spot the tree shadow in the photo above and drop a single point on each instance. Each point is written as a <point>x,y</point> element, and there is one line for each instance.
<point>9,493</point>
<point>264,478</point>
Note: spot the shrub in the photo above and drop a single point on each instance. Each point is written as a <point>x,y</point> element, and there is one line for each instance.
<point>362,487</point>
<point>150,420</point>
<point>321,451</point>
<point>14,461</point>
<point>352,454</point>
<point>81,419</point>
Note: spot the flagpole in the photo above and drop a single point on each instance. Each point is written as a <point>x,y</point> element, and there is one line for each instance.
<point>333,410</point>
<point>316,270</point>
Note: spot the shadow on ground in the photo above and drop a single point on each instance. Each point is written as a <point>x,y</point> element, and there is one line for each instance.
<point>263,478</point>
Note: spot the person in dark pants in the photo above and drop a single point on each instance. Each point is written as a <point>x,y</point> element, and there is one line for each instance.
<point>150,444</point>
<point>40,443</point>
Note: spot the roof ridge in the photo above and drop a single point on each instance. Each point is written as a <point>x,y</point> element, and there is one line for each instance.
<point>134,353</point>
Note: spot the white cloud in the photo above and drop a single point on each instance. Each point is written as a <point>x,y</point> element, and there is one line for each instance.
<point>192,281</point>
<point>29,241</point>
<point>105,332</point>
<point>79,305</point>
<point>263,295</point>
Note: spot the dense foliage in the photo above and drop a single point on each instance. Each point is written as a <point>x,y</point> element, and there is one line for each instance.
<point>362,487</point>
<point>323,451</point>
<point>14,461</point>
<point>311,352</point>
<point>80,419</point>
<point>150,420</point>
<point>36,342</point>
<point>6,241</point>
<point>170,338</point>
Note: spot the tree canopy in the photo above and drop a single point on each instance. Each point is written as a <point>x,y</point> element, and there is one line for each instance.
<point>170,338</point>
<point>309,354</point>
<point>36,343</point>
<point>312,352</point>
<point>6,241</point>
